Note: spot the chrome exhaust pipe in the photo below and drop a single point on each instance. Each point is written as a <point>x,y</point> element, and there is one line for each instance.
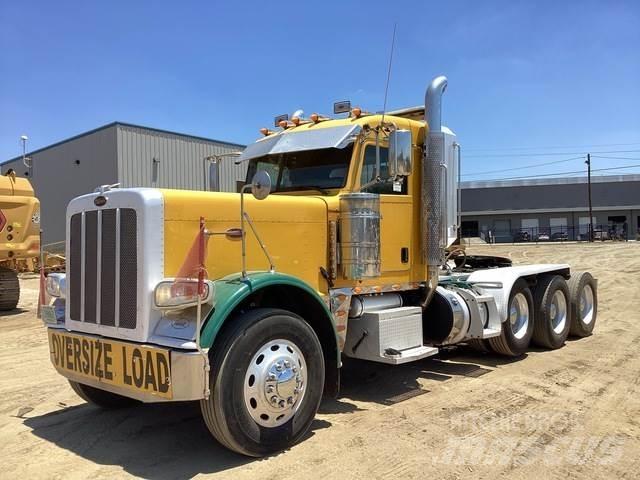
<point>431,195</point>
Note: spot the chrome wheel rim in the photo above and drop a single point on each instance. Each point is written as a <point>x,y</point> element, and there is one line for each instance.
<point>586,305</point>
<point>558,311</point>
<point>519,315</point>
<point>275,383</point>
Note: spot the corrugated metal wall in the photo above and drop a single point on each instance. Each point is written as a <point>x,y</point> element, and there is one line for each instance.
<point>150,158</point>
<point>67,170</point>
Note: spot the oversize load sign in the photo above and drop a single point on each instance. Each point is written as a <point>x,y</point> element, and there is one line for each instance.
<point>125,365</point>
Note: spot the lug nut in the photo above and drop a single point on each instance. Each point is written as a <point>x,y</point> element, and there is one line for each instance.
<point>270,389</point>
<point>287,364</point>
<point>294,369</point>
<point>274,399</point>
<point>279,366</point>
<point>272,376</point>
<point>290,400</point>
<point>281,404</point>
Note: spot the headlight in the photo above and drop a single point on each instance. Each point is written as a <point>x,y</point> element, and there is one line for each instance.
<point>56,284</point>
<point>181,293</point>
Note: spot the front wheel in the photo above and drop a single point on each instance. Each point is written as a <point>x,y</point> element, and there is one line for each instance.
<point>267,375</point>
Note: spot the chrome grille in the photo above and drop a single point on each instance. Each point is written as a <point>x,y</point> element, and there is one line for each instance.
<point>103,267</point>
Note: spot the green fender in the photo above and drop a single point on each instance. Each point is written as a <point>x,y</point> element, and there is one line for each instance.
<point>231,290</point>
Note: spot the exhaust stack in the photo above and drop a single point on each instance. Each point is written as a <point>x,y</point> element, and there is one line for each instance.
<point>432,164</point>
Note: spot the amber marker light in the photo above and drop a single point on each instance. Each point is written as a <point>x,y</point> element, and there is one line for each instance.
<point>315,118</point>
<point>282,124</point>
<point>296,121</point>
<point>356,112</point>
<point>264,131</point>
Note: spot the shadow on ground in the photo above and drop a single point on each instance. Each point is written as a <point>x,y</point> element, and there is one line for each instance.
<point>11,313</point>
<point>163,441</point>
<point>160,441</point>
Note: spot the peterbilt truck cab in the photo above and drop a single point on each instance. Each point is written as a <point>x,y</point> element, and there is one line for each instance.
<point>346,249</point>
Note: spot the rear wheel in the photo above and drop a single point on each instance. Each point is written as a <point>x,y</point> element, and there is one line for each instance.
<point>102,398</point>
<point>9,289</point>
<point>584,303</point>
<point>267,376</point>
<point>480,345</point>
<point>518,328</point>
<point>553,316</point>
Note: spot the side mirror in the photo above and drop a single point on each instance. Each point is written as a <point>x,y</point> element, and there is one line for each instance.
<point>399,153</point>
<point>261,185</point>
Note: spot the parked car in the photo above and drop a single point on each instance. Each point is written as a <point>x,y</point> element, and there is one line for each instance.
<point>559,236</point>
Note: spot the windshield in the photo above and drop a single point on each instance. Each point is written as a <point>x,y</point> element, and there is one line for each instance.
<point>320,170</point>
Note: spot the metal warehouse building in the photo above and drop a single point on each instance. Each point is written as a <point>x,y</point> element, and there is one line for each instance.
<point>551,209</point>
<point>130,155</point>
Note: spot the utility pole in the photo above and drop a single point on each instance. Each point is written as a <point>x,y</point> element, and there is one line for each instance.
<point>588,162</point>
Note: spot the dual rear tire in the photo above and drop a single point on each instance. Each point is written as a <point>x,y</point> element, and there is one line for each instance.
<point>546,316</point>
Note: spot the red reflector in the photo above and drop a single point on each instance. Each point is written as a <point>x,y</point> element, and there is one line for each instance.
<point>3,221</point>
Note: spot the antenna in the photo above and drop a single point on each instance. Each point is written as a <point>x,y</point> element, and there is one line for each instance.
<point>386,87</point>
<point>384,108</point>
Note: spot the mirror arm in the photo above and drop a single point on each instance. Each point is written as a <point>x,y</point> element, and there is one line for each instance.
<point>272,267</point>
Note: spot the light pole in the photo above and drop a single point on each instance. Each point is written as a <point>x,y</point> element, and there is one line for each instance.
<point>588,162</point>
<point>24,139</point>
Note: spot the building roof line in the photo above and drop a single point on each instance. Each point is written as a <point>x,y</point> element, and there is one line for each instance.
<point>121,124</point>
<point>531,182</point>
<point>585,208</point>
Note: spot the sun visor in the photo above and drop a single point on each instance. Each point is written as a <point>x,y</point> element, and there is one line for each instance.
<point>331,137</point>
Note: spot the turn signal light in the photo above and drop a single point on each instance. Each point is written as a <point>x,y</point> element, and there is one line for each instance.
<point>283,124</point>
<point>356,112</point>
<point>264,131</point>
<point>296,121</point>
<point>315,118</point>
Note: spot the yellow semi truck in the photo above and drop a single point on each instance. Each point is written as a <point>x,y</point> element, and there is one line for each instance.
<point>19,234</point>
<point>339,253</point>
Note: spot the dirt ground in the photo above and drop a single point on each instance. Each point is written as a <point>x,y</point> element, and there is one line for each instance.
<point>569,413</point>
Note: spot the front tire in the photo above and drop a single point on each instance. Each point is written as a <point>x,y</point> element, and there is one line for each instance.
<point>267,376</point>
<point>518,328</point>
<point>102,398</point>
<point>553,315</point>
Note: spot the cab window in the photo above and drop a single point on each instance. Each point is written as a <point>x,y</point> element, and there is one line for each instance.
<point>369,171</point>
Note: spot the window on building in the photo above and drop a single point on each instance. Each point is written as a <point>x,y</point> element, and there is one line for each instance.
<point>583,226</point>
<point>558,225</point>
<point>531,226</point>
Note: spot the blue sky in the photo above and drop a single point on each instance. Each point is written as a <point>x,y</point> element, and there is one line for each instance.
<point>521,73</point>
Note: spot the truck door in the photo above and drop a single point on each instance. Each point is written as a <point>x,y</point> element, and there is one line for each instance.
<point>396,230</point>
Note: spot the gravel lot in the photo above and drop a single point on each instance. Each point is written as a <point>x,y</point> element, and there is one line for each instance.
<point>573,412</point>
